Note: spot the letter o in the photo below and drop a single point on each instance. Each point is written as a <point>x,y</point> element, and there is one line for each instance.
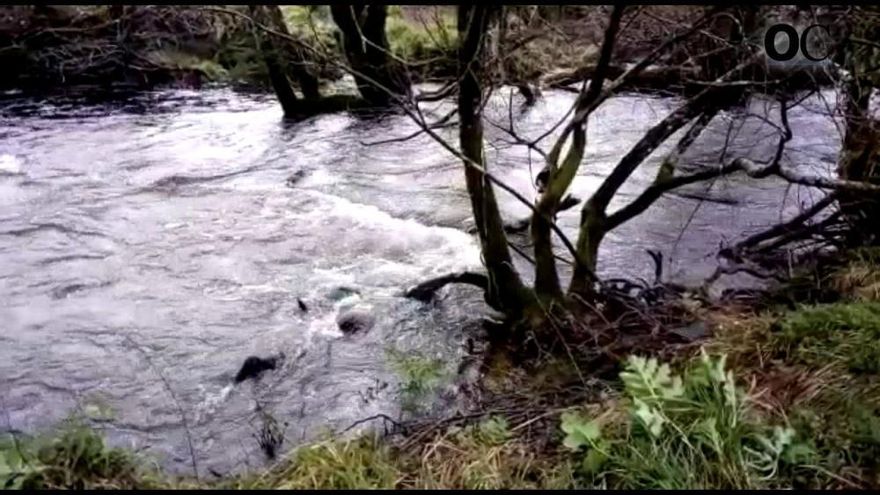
<point>770,42</point>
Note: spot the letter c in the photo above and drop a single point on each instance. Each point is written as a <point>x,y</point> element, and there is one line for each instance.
<point>804,43</point>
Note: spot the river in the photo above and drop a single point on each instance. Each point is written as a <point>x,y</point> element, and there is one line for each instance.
<point>148,245</point>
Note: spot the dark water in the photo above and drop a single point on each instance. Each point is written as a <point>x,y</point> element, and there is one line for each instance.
<point>149,245</point>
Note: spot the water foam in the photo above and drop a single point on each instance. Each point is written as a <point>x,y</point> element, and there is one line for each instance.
<point>10,164</point>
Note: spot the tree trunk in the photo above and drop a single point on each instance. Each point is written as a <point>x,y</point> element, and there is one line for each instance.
<point>561,174</point>
<point>274,64</point>
<point>592,231</point>
<point>366,48</point>
<point>294,59</point>
<point>505,291</point>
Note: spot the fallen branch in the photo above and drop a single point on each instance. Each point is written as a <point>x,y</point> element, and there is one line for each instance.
<point>782,228</point>
<point>757,171</point>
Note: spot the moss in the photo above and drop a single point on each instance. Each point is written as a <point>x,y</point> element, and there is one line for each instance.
<point>429,36</point>
<point>842,332</point>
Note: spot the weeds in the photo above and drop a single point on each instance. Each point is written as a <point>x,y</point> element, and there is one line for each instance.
<point>362,463</point>
<point>74,457</point>
<point>419,374</point>
<point>485,455</point>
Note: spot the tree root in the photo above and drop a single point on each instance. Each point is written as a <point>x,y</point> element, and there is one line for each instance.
<point>425,291</point>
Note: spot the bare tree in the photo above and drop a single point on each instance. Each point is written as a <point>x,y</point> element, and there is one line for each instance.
<point>721,88</point>
<point>716,87</point>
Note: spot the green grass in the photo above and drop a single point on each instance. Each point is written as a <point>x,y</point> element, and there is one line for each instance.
<point>312,23</point>
<point>846,332</point>
<point>72,457</point>
<point>435,35</point>
<point>361,463</point>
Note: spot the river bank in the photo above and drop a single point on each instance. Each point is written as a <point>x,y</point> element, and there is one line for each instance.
<point>782,396</point>
<point>150,47</point>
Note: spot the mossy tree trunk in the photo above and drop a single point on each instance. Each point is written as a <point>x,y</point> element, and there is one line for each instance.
<point>561,173</point>
<point>274,64</point>
<point>295,60</point>
<point>505,289</point>
<point>377,74</point>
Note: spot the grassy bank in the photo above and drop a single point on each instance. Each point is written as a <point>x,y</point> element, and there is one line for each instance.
<point>788,396</point>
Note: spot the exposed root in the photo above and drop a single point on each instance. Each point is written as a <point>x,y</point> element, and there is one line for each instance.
<point>425,291</point>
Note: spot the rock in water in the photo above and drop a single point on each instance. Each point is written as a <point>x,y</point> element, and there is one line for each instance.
<point>302,305</point>
<point>253,366</point>
<point>294,178</point>
<point>355,320</point>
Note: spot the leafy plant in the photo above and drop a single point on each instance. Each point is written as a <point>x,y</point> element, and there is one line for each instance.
<point>15,468</point>
<point>419,374</point>
<point>494,431</point>
<point>694,430</point>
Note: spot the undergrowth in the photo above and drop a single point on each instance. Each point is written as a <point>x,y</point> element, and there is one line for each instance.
<point>694,430</point>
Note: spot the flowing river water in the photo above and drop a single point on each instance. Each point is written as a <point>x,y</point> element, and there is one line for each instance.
<point>149,245</point>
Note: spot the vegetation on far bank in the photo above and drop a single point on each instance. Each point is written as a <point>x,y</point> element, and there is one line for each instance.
<point>100,45</point>
<point>781,397</point>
